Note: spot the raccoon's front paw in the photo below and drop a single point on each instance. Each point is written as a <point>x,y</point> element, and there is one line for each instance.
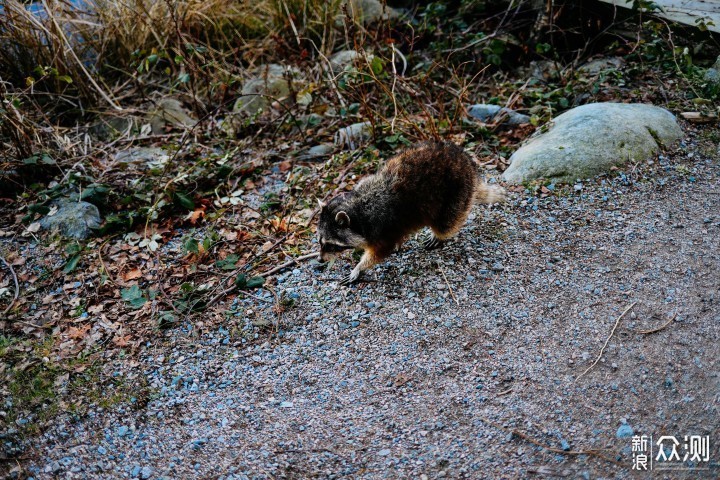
<point>432,242</point>
<point>350,279</point>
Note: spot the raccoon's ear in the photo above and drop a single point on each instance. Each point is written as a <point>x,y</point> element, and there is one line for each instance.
<point>321,204</point>
<point>342,219</point>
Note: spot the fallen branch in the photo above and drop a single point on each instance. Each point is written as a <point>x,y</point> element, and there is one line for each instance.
<point>655,330</point>
<point>264,274</point>
<point>290,262</point>
<point>612,332</point>
<point>17,286</point>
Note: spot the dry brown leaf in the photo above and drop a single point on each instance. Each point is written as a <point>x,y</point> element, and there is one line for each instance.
<point>196,215</point>
<point>95,309</point>
<point>133,274</point>
<point>121,340</point>
<point>78,332</point>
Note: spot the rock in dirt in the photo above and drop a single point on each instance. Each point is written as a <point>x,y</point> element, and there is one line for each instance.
<point>74,219</point>
<point>370,11</point>
<point>317,151</point>
<point>343,59</point>
<point>258,93</point>
<point>153,157</point>
<point>625,431</point>
<point>169,112</point>
<point>712,74</point>
<point>353,135</point>
<point>590,139</point>
<point>599,65</point>
<point>490,113</point>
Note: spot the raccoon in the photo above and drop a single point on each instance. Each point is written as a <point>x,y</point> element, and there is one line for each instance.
<point>432,185</point>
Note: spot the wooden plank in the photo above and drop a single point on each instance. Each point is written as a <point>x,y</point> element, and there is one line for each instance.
<point>689,12</point>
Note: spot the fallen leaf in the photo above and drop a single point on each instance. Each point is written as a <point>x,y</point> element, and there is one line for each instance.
<point>195,215</point>
<point>121,340</point>
<point>78,333</point>
<point>95,309</point>
<point>132,274</point>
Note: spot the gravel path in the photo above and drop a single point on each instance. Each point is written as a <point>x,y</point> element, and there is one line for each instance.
<point>425,370</point>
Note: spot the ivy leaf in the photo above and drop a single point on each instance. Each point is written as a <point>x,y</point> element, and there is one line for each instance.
<point>71,263</point>
<point>255,282</point>
<point>228,263</point>
<point>191,245</point>
<point>184,200</point>
<point>134,296</point>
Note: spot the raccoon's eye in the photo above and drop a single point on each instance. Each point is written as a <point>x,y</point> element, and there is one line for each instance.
<point>331,247</point>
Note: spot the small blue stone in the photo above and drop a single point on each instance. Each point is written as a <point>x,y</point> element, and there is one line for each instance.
<point>625,431</point>
<point>102,450</point>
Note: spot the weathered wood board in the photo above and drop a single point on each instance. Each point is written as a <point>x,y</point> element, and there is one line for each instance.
<point>689,12</point>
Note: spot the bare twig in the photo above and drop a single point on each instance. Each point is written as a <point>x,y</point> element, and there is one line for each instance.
<point>289,262</point>
<point>612,332</point>
<point>655,330</point>
<point>17,286</point>
<point>525,437</point>
<point>448,285</point>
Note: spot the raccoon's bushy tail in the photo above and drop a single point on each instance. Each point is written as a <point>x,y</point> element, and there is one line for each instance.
<point>488,194</point>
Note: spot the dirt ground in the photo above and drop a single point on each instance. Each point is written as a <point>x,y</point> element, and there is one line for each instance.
<point>473,361</point>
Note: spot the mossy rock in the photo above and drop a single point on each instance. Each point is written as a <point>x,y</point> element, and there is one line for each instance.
<point>591,139</point>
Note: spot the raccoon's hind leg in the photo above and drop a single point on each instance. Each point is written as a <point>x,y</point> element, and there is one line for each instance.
<point>432,242</point>
<point>447,228</point>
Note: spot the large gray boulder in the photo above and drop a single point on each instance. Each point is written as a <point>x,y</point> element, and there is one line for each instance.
<point>590,139</point>
<point>72,218</point>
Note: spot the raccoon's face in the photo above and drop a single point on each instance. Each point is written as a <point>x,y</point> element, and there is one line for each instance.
<point>334,230</point>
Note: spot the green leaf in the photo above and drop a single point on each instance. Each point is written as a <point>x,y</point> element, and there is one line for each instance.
<point>191,245</point>
<point>65,78</point>
<point>72,263</point>
<point>166,319</point>
<point>228,263</point>
<point>73,249</point>
<point>241,281</point>
<point>134,296</point>
<point>184,200</point>
<point>255,282</point>
<point>184,78</point>
<point>377,65</point>
<point>37,208</point>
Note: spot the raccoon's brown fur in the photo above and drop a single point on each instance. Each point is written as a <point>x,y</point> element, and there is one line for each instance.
<point>432,185</point>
